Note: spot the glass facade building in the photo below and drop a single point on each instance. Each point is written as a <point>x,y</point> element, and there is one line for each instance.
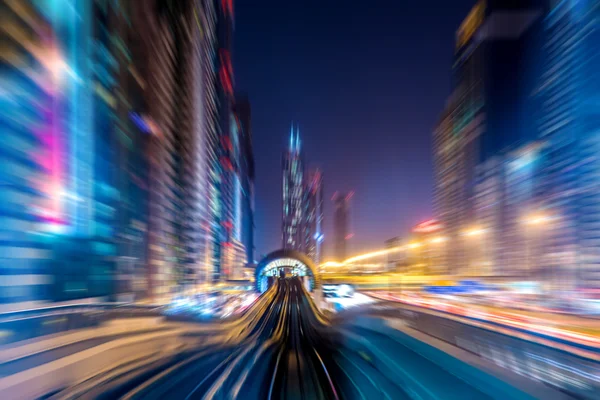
<point>247,173</point>
<point>313,226</point>
<point>570,123</point>
<point>489,113</point>
<point>30,140</point>
<point>293,194</point>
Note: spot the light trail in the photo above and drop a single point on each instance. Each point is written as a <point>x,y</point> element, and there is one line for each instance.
<point>373,254</point>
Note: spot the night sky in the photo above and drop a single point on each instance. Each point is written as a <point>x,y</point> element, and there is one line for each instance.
<point>366,84</point>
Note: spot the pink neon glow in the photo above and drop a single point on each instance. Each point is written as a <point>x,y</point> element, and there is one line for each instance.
<point>49,156</point>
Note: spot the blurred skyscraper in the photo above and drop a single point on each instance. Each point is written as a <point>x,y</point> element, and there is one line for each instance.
<point>127,196</point>
<point>451,197</point>
<point>178,118</point>
<point>246,170</point>
<point>85,184</point>
<point>207,166</point>
<point>30,150</point>
<point>302,194</point>
<point>197,149</point>
<point>229,249</point>
<point>489,114</point>
<point>570,124</point>
<point>341,225</point>
<point>293,194</point>
<point>313,224</point>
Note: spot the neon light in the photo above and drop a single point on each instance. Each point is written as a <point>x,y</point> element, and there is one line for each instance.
<point>428,226</point>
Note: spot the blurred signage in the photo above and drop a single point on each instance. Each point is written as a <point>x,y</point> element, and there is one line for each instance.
<point>428,226</point>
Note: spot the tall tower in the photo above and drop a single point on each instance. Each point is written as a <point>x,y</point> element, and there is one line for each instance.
<point>293,194</point>
<point>246,171</point>
<point>227,244</point>
<point>313,226</point>
<point>180,38</point>
<point>30,177</point>
<point>341,224</point>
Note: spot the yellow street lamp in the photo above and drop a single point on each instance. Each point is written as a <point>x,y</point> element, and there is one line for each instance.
<point>438,239</point>
<point>537,219</point>
<point>474,232</point>
<point>414,245</point>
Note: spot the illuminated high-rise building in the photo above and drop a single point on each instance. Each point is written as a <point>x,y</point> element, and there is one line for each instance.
<point>313,222</point>
<point>229,246</point>
<point>524,234</point>
<point>246,172</point>
<point>489,113</point>
<point>30,149</point>
<point>341,225</point>
<point>182,114</point>
<point>569,125</point>
<point>293,194</point>
<point>90,149</point>
<point>452,160</point>
<point>208,206</point>
<point>129,146</point>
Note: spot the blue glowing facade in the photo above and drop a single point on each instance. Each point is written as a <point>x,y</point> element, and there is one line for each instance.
<point>246,171</point>
<point>84,186</point>
<point>570,124</point>
<point>134,170</point>
<point>489,114</point>
<point>30,172</point>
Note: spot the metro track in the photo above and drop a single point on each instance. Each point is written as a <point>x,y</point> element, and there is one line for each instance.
<point>281,348</point>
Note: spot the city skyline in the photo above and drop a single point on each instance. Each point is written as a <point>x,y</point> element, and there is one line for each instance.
<point>314,200</point>
<point>379,148</point>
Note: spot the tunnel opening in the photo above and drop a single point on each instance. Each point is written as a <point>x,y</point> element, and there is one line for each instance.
<point>286,264</point>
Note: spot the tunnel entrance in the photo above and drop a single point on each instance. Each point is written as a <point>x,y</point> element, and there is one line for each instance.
<point>285,264</point>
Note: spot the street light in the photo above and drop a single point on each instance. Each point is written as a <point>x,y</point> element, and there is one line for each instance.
<point>531,223</point>
<point>537,219</point>
<point>438,239</point>
<point>477,232</point>
<point>474,232</point>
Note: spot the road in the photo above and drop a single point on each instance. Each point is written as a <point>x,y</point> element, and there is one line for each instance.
<point>573,329</point>
<point>283,348</point>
